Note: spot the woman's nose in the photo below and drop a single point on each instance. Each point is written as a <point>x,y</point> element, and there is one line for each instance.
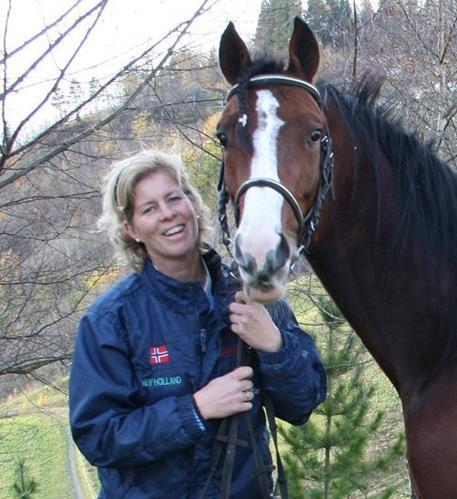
<point>166,212</point>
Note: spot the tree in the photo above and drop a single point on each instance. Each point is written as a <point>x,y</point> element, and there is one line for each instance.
<point>330,455</point>
<point>332,21</point>
<point>51,166</point>
<point>204,163</point>
<point>24,487</point>
<point>415,45</point>
<point>275,24</point>
<point>75,93</point>
<point>16,159</point>
<point>58,101</point>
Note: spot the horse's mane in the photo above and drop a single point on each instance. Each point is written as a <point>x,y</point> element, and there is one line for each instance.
<point>426,211</point>
<point>427,187</point>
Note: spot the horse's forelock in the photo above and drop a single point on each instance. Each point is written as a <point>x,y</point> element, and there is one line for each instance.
<point>260,66</point>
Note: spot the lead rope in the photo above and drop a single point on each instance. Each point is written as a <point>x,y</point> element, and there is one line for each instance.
<point>232,440</point>
<point>282,480</point>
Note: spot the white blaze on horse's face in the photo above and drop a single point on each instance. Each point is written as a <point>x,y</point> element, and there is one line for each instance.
<point>262,253</point>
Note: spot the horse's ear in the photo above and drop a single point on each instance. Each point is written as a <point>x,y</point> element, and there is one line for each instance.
<point>303,52</point>
<point>233,54</point>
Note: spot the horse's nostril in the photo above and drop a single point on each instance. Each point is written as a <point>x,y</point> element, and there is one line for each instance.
<point>263,281</point>
<point>245,261</point>
<point>282,251</point>
<point>276,259</point>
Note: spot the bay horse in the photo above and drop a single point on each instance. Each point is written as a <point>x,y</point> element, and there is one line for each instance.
<point>312,170</point>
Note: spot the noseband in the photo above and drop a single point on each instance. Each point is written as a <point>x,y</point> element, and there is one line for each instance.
<point>307,223</point>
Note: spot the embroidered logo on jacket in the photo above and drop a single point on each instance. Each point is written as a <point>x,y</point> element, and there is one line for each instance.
<point>159,355</point>
<point>161,381</point>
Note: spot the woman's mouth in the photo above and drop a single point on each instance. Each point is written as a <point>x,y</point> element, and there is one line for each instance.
<point>177,229</point>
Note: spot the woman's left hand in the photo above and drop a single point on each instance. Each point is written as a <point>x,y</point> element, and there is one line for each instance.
<point>252,323</point>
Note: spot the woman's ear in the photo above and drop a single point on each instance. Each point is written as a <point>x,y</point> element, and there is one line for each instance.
<point>130,231</point>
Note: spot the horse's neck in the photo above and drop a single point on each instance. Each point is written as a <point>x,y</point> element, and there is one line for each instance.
<point>387,302</point>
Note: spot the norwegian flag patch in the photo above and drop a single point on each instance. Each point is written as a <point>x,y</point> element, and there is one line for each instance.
<point>158,355</point>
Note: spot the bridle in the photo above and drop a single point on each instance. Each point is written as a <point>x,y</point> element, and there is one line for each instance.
<point>307,223</point>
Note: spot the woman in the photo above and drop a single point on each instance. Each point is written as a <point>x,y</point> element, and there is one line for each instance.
<point>154,365</point>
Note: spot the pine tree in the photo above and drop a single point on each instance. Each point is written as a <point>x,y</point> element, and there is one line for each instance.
<point>58,101</point>
<point>275,23</point>
<point>331,20</point>
<point>24,486</point>
<point>328,457</point>
<point>75,91</point>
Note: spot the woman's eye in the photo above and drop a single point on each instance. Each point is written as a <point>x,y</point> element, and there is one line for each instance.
<point>150,208</point>
<point>222,138</point>
<point>316,135</point>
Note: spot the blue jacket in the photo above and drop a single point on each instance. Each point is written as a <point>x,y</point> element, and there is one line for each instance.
<point>143,348</point>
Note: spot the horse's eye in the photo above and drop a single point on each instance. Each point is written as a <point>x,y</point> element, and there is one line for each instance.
<point>316,135</point>
<point>222,138</point>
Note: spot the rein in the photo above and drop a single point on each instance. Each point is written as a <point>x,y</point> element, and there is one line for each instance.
<point>307,223</point>
<point>227,440</point>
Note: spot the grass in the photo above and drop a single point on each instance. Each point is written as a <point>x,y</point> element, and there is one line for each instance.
<point>40,441</point>
<point>33,426</point>
<point>87,475</point>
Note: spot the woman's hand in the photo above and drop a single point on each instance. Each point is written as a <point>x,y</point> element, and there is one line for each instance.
<point>252,323</point>
<point>227,395</point>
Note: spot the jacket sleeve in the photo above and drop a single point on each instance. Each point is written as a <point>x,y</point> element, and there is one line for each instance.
<point>295,376</point>
<point>108,421</point>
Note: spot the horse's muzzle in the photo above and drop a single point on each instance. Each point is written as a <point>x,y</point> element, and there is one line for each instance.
<point>264,280</point>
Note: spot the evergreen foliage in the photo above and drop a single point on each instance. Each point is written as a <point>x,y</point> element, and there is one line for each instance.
<point>24,486</point>
<point>329,457</point>
<point>275,23</point>
<point>331,20</point>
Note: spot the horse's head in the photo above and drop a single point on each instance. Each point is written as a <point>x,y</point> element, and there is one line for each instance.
<point>275,141</point>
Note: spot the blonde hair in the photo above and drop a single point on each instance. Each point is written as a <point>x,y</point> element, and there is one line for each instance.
<point>118,201</point>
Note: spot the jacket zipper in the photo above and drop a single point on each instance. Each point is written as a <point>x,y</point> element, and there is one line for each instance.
<point>203,341</point>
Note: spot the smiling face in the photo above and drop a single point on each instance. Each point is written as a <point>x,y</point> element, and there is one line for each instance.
<point>164,219</point>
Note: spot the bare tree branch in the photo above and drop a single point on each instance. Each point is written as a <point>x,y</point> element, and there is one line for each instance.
<point>179,31</point>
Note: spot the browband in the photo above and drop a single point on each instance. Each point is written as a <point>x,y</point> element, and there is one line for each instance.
<point>276,79</point>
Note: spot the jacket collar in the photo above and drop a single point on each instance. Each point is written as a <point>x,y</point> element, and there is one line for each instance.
<point>186,295</point>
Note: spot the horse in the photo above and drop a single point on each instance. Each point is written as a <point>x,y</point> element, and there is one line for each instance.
<point>312,170</point>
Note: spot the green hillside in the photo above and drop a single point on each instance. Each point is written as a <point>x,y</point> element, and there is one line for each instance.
<point>34,427</point>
